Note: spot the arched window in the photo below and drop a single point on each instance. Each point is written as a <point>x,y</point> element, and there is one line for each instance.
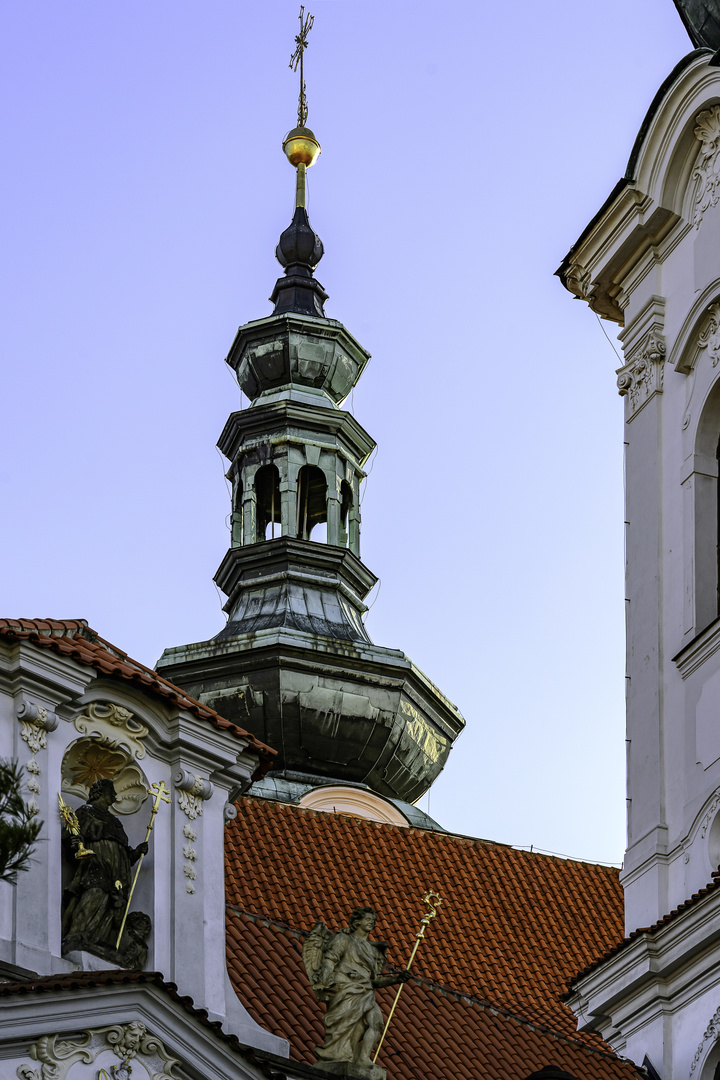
<point>346,501</point>
<point>311,500</point>
<point>236,518</point>
<point>267,494</point>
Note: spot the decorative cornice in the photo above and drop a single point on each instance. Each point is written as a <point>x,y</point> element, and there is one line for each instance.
<point>706,173</point>
<point>677,954</point>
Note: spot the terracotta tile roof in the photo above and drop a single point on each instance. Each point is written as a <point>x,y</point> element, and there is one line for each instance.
<point>619,946</point>
<point>74,638</point>
<point>484,1000</point>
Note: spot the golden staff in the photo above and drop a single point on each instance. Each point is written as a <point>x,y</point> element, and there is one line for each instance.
<point>433,901</point>
<point>159,791</point>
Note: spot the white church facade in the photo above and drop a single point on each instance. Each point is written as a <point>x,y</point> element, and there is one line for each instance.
<point>650,261</point>
<point>268,777</point>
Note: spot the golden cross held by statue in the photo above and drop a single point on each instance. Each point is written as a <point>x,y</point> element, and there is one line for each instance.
<point>301,44</point>
<point>158,792</point>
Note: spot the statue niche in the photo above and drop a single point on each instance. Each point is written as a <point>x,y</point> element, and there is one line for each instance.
<point>344,973</point>
<point>96,898</point>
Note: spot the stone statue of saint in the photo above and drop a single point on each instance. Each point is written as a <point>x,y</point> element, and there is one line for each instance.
<point>96,898</point>
<point>344,972</point>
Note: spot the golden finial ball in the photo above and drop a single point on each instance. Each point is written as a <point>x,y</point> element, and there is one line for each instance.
<point>301,147</point>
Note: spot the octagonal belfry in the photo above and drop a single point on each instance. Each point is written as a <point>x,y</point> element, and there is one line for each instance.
<point>294,663</point>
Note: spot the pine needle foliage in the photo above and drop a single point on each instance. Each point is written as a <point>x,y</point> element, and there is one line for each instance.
<point>19,825</point>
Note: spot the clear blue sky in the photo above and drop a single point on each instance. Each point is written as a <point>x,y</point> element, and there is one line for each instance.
<point>465,146</point>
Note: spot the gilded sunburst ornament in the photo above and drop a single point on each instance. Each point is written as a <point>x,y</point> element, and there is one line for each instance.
<point>96,763</point>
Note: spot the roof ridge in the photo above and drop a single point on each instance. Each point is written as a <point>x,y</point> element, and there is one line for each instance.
<point>535,853</point>
<point>459,995</point>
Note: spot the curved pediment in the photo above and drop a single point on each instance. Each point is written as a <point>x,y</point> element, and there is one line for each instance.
<point>671,186</point>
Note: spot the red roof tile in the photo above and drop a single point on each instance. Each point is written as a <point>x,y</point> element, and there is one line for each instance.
<point>513,928</point>
<point>74,638</point>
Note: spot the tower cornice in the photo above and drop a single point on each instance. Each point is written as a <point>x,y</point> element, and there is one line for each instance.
<point>250,427</point>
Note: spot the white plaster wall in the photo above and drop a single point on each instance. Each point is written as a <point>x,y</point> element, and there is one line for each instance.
<point>671,721</point>
<point>181,884</point>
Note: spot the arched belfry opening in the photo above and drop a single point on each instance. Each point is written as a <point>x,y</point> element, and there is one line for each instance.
<point>267,495</point>
<point>236,518</point>
<point>346,504</point>
<point>311,500</point>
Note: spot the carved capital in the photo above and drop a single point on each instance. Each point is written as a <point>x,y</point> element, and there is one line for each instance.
<point>643,375</point>
<point>114,726</point>
<point>192,792</point>
<point>29,713</point>
<point>35,721</point>
<point>706,173</point>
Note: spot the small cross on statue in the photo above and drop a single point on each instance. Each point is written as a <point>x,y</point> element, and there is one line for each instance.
<point>301,44</point>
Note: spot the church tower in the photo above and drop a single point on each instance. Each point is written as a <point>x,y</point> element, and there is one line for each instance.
<point>650,262</point>
<point>356,726</point>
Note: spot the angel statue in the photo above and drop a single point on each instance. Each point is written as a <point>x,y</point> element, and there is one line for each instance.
<point>344,972</point>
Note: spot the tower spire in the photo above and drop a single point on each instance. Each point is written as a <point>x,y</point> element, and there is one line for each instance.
<point>300,248</point>
<point>300,145</point>
<point>295,660</point>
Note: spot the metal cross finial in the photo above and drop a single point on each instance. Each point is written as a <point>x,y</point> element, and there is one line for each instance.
<point>301,44</point>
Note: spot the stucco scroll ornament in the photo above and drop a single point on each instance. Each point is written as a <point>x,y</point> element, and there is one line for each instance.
<point>710,337</point>
<point>711,1033</point>
<point>643,376</point>
<point>114,726</point>
<point>56,1056</point>
<point>126,1041</point>
<point>706,173</point>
